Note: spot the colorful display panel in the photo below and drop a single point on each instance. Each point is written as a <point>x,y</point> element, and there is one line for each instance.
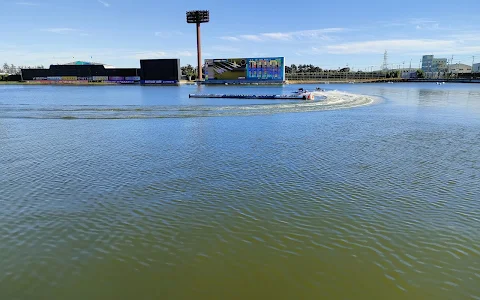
<point>245,69</point>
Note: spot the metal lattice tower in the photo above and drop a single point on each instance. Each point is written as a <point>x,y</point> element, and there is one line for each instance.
<point>385,61</point>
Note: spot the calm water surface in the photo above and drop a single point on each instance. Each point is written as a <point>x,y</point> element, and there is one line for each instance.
<point>143,193</point>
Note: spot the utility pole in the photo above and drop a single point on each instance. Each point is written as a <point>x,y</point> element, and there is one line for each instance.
<point>473,62</point>
<point>198,17</point>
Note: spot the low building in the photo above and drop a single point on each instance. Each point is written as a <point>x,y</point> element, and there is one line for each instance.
<point>476,68</point>
<point>427,63</point>
<point>459,68</point>
<point>431,64</point>
<point>440,65</point>
<point>407,73</point>
<point>155,71</point>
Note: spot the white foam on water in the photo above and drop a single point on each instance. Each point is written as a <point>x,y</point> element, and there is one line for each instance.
<point>324,100</point>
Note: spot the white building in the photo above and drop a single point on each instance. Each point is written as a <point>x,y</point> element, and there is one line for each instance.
<point>476,68</point>
<point>431,64</point>
<point>459,68</point>
<point>407,73</point>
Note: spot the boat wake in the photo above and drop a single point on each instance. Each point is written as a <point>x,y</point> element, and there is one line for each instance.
<point>325,100</point>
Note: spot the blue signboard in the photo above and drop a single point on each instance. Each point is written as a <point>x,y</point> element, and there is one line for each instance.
<point>265,68</point>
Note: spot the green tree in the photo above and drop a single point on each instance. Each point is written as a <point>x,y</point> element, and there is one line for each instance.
<point>420,73</point>
<point>188,71</point>
<point>293,68</point>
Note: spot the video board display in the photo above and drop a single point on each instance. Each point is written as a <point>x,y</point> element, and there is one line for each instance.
<point>158,71</point>
<point>245,69</point>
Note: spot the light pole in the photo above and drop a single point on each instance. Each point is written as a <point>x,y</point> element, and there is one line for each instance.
<point>198,17</point>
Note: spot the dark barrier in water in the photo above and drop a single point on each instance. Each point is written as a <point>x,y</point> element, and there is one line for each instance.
<point>272,97</point>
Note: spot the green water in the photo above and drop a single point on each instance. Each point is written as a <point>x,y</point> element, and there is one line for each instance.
<point>142,193</point>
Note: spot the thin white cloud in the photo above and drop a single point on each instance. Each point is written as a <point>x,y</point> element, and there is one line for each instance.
<point>62,30</point>
<point>230,38</point>
<point>278,36</point>
<point>467,36</point>
<point>403,46</point>
<point>429,26</point>
<point>314,34</point>
<point>457,49</point>
<point>424,24</point>
<point>106,4</point>
<point>416,21</point>
<point>168,34</point>
<point>149,54</point>
<point>24,3</point>
<point>160,54</point>
<point>223,49</point>
<point>26,56</point>
<point>250,37</point>
<point>184,53</point>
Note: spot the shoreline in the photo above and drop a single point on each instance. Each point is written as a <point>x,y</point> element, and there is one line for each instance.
<point>287,82</point>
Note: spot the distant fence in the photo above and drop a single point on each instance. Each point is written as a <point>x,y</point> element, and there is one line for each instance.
<point>366,76</point>
<point>336,76</point>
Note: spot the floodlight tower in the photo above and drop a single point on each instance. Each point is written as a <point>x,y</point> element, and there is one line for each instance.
<point>198,17</point>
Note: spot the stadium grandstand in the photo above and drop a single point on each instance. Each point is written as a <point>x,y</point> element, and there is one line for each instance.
<point>153,71</point>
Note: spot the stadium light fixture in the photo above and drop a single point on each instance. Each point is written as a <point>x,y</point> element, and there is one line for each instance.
<point>198,17</point>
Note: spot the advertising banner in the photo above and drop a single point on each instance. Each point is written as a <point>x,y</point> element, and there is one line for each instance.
<point>73,82</point>
<point>245,69</point>
<point>115,78</point>
<point>120,81</point>
<point>39,78</point>
<point>134,78</point>
<point>84,78</point>
<point>159,82</point>
<point>57,78</point>
<point>100,78</point>
<point>69,78</point>
<point>42,81</point>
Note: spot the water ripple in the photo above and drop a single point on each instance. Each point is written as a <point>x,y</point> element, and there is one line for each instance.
<point>370,203</point>
<point>328,101</point>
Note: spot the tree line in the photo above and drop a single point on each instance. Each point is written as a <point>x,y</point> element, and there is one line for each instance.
<point>191,72</point>
<point>310,69</point>
<point>16,70</point>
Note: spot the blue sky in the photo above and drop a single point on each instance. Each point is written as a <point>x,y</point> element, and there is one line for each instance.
<point>329,34</point>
